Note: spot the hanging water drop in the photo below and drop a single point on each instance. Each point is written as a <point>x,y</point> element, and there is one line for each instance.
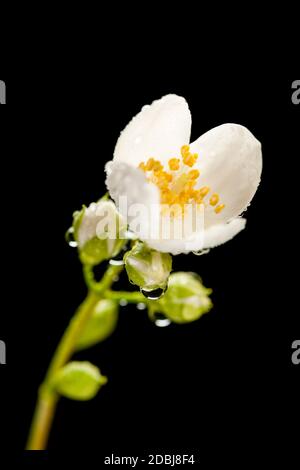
<point>201,252</point>
<point>160,320</point>
<point>70,238</point>
<point>123,302</point>
<point>116,262</point>
<point>141,306</point>
<point>153,294</point>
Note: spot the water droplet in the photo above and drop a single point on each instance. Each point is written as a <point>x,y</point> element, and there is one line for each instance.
<point>116,262</point>
<point>160,320</point>
<point>118,259</point>
<point>141,306</point>
<point>153,294</point>
<point>70,238</point>
<point>201,252</point>
<point>123,302</point>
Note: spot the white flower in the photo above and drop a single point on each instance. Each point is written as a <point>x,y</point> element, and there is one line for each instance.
<point>153,164</point>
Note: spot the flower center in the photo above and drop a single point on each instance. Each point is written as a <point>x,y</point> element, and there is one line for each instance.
<point>177,183</point>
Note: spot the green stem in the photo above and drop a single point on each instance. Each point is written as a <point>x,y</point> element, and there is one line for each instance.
<point>47,399</point>
<point>131,297</point>
<point>105,283</point>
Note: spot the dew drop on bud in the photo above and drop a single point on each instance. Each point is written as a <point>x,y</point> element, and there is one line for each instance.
<point>118,259</point>
<point>153,294</point>
<point>201,252</point>
<point>70,238</point>
<point>141,306</point>
<point>160,320</point>
<point>116,262</point>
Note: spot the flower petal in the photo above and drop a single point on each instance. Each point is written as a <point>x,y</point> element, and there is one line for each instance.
<point>213,236</point>
<point>158,131</point>
<point>230,161</point>
<point>134,196</point>
<point>221,233</point>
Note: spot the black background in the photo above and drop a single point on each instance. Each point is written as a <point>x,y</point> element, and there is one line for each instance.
<point>218,386</point>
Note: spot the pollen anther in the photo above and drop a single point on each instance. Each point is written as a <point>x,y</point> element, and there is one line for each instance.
<point>219,208</point>
<point>214,199</point>
<point>174,164</point>
<point>177,186</point>
<point>204,191</point>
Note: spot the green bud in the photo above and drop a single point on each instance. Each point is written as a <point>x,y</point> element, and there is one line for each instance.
<point>102,323</point>
<point>99,231</point>
<point>147,268</point>
<point>79,381</point>
<point>186,299</point>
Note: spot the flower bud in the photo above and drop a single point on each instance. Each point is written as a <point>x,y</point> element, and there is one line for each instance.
<point>186,299</point>
<point>99,232</point>
<point>148,269</point>
<point>101,324</point>
<point>78,381</point>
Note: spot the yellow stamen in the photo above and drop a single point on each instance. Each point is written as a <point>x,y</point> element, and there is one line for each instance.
<point>204,191</point>
<point>177,185</point>
<point>142,166</point>
<point>190,159</point>
<point>196,195</point>
<point>157,166</point>
<point>214,199</point>
<point>174,164</point>
<point>194,174</point>
<point>219,208</point>
<point>190,185</point>
<point>150,164</point>
<point>185,149</point>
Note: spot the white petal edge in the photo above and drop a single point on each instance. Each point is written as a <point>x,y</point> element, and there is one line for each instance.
<point>213,236</point>
<point>134,196</point>
<point>230,163</point>
<point>158,131</point>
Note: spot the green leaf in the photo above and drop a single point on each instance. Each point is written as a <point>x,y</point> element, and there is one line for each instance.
<point>79,381</point>
<point>101,324</point>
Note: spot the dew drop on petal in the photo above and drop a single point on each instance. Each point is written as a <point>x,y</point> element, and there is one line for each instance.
<point>201,252</point>
<point>70,238</point>
<point>153,294</point>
